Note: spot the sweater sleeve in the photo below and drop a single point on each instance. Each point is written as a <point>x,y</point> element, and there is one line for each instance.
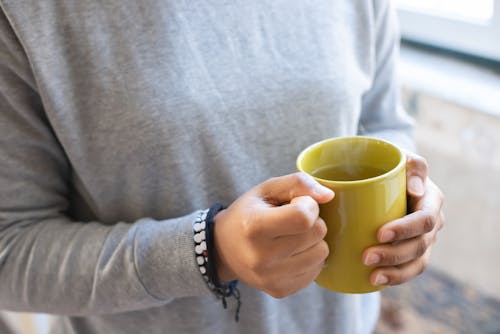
<point>382,114</point>
<point>48,261</point>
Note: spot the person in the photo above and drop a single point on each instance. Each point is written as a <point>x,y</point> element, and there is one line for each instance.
<point>121,122</point>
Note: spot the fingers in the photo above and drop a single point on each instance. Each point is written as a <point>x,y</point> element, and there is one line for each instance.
<point>295,244</point>
<point>411,239</point>
<point>402,273</point>
<point>433,200</point>
<point>297,251</point>
<point>300,270</point>
<point>271,237</point>
<point>295,283</point>
<point>294,218</point>
<point>312,257</point>
<point>398,253</point>
<point>281,190</point>
<point>426,217</point>
<point>416,174</point>
<point>292,205</point>
<point>412,225</point>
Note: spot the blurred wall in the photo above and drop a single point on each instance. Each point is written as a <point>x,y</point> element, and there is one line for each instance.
<point>462,146</point>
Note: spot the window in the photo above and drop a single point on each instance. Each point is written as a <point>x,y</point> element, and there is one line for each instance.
<point>467,26</point>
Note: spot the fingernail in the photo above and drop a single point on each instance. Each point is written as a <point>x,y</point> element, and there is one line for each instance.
<point>416,186</point>
<point>387,236</point>
<point>323,191</point>
<point>372,258</point>
<point>381,279</point>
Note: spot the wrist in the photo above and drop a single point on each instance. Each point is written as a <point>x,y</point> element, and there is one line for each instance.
<point>206,257</point>
<point>224,271</point>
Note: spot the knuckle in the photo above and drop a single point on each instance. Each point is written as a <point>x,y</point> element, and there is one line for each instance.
<point>311,204</point>
<point>320,229</point>
<point>324,250</point>
<point>403,233</point>
<point>422,245</point>
<point>250,229</point>
<point>267,184</point>
<point>270,180</point>
<point>318,270</point>
<point>429,221</point>
<point>255,263</point>
<point>303,216</point>
<point>308,205</point>
<point>301,178</point>
<point>389,258</point>
<point>299,181</point>
<point>249,223</point>
<point>396,276</point>
<point>399,278</point>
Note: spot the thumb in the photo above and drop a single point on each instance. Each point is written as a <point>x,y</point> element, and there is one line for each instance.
<point>281,190</point>
<point>416,174</point>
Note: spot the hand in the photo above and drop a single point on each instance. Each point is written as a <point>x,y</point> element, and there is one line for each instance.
<point>408,241</point>
<point>271,237</point>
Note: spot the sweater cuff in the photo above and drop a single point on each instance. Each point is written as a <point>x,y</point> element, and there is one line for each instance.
<point>165,259</point>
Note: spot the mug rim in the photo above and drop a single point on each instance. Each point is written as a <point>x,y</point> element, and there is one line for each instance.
<point>388,174</point>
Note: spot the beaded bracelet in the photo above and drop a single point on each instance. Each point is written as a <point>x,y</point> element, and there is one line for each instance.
<point>205,257</point>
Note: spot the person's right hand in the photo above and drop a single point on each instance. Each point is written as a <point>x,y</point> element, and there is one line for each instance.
<point>271,237</point>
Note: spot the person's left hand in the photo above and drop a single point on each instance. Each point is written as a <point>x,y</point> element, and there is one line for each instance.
<point>407,242</point>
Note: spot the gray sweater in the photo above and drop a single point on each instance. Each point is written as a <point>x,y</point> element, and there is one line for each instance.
<point>119,120</point>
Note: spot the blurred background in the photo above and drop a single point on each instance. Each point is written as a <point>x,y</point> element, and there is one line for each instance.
<point>450,76</point>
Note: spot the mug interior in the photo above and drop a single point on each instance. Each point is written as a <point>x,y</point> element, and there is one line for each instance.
<point>351,152</point>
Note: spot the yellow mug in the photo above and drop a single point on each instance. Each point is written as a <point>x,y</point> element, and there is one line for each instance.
<point>368,177</point>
